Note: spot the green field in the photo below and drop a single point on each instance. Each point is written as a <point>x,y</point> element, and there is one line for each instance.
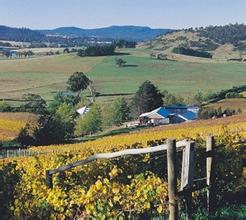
<point>45,75</point>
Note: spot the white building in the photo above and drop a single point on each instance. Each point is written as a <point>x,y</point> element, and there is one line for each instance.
<point>82,111</point>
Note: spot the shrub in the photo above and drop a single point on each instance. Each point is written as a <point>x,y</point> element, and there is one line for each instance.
<point>25,137</point>
<point>5,107</point>
<point>191,52</point>
<point>66,114</point>
<point>233,95</point>
<point>34,103</point>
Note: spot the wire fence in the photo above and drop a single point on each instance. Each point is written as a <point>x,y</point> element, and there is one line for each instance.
<point>18,153</point>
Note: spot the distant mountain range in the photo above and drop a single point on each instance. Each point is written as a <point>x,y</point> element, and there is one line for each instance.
<point>136,33</point>
<point>20,34</point>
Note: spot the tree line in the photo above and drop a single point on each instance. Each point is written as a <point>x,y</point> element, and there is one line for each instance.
<point>191,52</point>
<point>231,33</point>
<point>97,50</point>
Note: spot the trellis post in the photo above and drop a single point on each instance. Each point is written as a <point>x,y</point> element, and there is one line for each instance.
<point>187,175</point>
<point>48,179</point>
<point>211,194</point>
<point>172,179</point>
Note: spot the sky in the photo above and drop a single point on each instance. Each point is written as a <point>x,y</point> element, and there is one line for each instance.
<point>45,14</point>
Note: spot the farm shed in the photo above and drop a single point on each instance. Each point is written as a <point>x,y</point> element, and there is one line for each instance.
<point>82,111</point>
<point>186,116</point>
<point>156,117</point>
<point>169,115</point>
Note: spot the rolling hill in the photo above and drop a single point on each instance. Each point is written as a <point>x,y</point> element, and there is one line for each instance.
<point>223,43</point>
<point>137,33</point>
<point>20,34</point>
<point>48,74</point>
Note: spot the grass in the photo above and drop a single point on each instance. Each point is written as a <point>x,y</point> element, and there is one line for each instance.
<point>237,103</point>
<point>182,78</point>
<point>46,75</point>
<point>43,75</point>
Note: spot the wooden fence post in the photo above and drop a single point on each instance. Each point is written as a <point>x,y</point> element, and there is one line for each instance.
<point>211,194</point>
<point>187,175</point>
<point>48,179</point>
<point>172,179</point>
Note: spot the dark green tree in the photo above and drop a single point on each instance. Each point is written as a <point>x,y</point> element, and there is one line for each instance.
<point>25,137</point>
<point>120,62</point>
<point>78,82</point>
<point>61,97</point>
<point>147,98</point>
<point>66,50</point>
<point>50,130</point>
<point>34,103</point>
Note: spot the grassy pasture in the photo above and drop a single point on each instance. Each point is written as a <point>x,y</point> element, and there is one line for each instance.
<point>182,78</point>
<point>45,75</point>
<point>237,103</point>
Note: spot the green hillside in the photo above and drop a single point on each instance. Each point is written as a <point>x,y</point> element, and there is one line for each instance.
<point>46,75</point>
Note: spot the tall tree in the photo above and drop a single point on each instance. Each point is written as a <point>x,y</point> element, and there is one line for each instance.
<point>78,82</point>
<point>65,114</point>
<point>147,98</point>
<point>61,97</point>
<point>120,111</point>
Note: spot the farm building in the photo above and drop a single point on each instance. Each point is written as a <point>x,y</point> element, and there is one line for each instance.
<point>155,117</point>
<point>82,111</point>
<point>169,115</point>
<point>5,51</point>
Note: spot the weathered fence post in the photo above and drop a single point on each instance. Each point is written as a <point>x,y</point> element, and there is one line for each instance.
<point>211,194</point>
<point>187,175</point>
<point>48,179</point>
<point>172,179</point>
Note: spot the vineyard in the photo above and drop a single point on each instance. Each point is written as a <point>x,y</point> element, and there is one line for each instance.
<point>203,128</point>
<point>124,187</point>
<point>11,124</point>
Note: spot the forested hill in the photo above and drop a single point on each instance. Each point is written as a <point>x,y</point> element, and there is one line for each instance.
<point>20,34</point>
<point>232,33</point>
<point>220,42</point>
<point>133,33</point>
<point>136,33</point>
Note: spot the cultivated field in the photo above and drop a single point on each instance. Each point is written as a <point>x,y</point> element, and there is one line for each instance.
<point>45,75</point>
<point>202,128</point>
<point>106,187</point>
<point>11,124</point>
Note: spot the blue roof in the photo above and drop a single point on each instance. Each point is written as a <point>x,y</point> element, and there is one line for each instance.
<point>189,115</point>
<point>163,112</point>
<point>176,107</point>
